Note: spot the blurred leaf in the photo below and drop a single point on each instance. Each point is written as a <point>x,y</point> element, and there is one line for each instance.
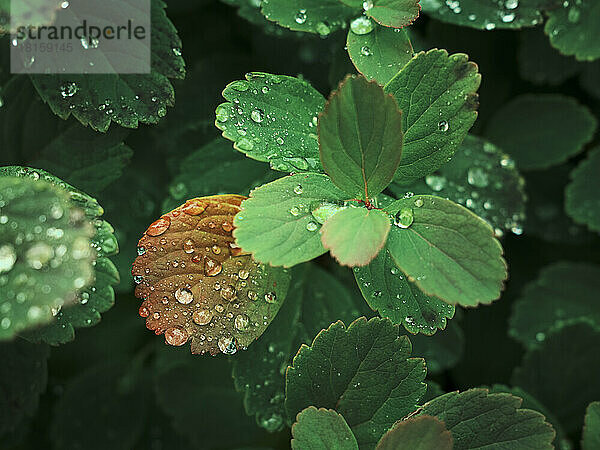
<point>562,373</point>
<point>45,255</point>
<point>381,53</point>
<point>591,429</point>
<point>360,137</point>
<point>573,29</point>
<point>268,115</point>
<point>277,223</point>
<point>443,350</point>
<point>542,130</point>
<point>125,99</point>
<point>197,284</point>
<point>479,419</point>
<point>564,292</point>
<point>315,299</point>
<point>581,200</point>
<point>483,179</point>
<point>322,428</point>
<point>390,293</point>
<point>366,364</point>
<point>449,251</point>
<point>422,433</point>
<point>23,376</point>
<point>437,94</point>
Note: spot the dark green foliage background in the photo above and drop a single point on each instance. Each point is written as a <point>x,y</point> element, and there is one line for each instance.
<point>118,386</point>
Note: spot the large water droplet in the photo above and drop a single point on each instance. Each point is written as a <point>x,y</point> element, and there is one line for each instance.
<point>228,293</point>
<point>476,176</point>
<point>68,90</point>
<point>257,115</point>
<point>241,322</point>
<point>38,255</point>
<point>8,257</point>
<point>159,226</point>
<point>202,317</point>
<point>227,344</point>
<point>176,336</point>
<point>404,218</point>
<point>212,267</point>
<point>301,17</point>
<point>184,296</point>
<point>361,25</point>
<point>270,297</point>
<point>311,226</point>
<point>436,182</point>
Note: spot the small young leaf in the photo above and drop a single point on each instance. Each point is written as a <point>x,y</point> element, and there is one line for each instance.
<point>449,251</point>
<point>394,13</point>
<point>437,95</point>
<point>573,29</point>
<point>497,419</point>
<point>562,293</point>
<point>45,272</point>
<point>541,131</point>
<point>380,54</point>
<point>266,115</point>
<point>198,285</point>
<point>568,359</point>
<point>316,429</point>
<point>497,189</point>
<point>126,99</point>
<point>422,433</point>
<point>23,376</point>
<point>389,293</point>
<point>591,428</point>
<point>315,300</point>
<point>313,16</point>
<point>355,235</point>
<point>279,223</point>
<point>582,203</point>
<point>360,137</point>
<point>363,372</point>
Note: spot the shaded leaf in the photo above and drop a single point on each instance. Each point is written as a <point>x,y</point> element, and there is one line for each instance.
<point>389,292</point>
<point>436,93</point>
<point>380,54</point>
<point>591,428</point>
<point>355,235</point>
<point>419,433</point>
<point>268,114</point>
<point>125,99</point>
<point>322,428</point>
<point>564,292</point>
<point>278,224</point>
<point>196,283</point>
<point>483,179</point>
<point>449,251</point>
<point>45,255</point>
<point>581,200</point>
<point>394,13</point>
<point>479,419</point>
<point>542,130</point>
<point>366,364</point>
<point>559,362</point>
<point>360,137</point>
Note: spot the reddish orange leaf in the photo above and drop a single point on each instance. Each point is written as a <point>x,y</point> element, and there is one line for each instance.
<point>197,285</point>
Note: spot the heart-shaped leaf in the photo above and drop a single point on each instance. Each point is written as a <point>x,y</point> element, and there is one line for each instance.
<point>322,428</point>
<point>198,285</point>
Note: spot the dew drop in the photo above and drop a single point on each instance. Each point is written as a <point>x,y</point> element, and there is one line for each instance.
<point>443,125</point>
<point>404,218</point>
<point>294,211</point>
<point>176,336</point>
<point>270,297</point>
<point>419,202</point>
<point>159,226</point>
<point>243,274</point>
<point>365,51</point>
<point>212,268</point>
<point>361,25</point>
<point>68,90</point>
<point>241,322</point>
<point>257,115</point>
<point>227,345</point>
<point>8,257</point>
<point>311,226</point>
<point>141,251</point>
<point>228,293</point>
<point>184,296</point>
<point>477,177</point>
<point>298,189</point>
<point>301,17</point>
<point>202,317</point>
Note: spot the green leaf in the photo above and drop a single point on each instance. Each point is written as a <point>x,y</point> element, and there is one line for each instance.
<point>355,235</point>
<point>360,137</point>
<point>250,10</point>
<point>483,179</point>
<point>363,372</point>
<point>125,99</point>
<point>390,293</point>
<point>277,224</point>
<point>563,292</point>
<point>421,433</point>
<point>541,130</point>
<point>394,13</point>
<point>581,200</point>
<point>591,429</point>
<point>322,428</point>
<point>210,169</point>
<point>478,419</point>
<point>267,115</point>
<point>489,14</point>
<point>559,363</point>
<point>573,29</point>
<point>381,53</point>
<point>314,301</point>
<point>437,95</point>
<point>449,251</point>
<point>23,376</point>
<point>443,350</point>
<point>95,299</point>
<point>45,255</point>
<point>313,16</point>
